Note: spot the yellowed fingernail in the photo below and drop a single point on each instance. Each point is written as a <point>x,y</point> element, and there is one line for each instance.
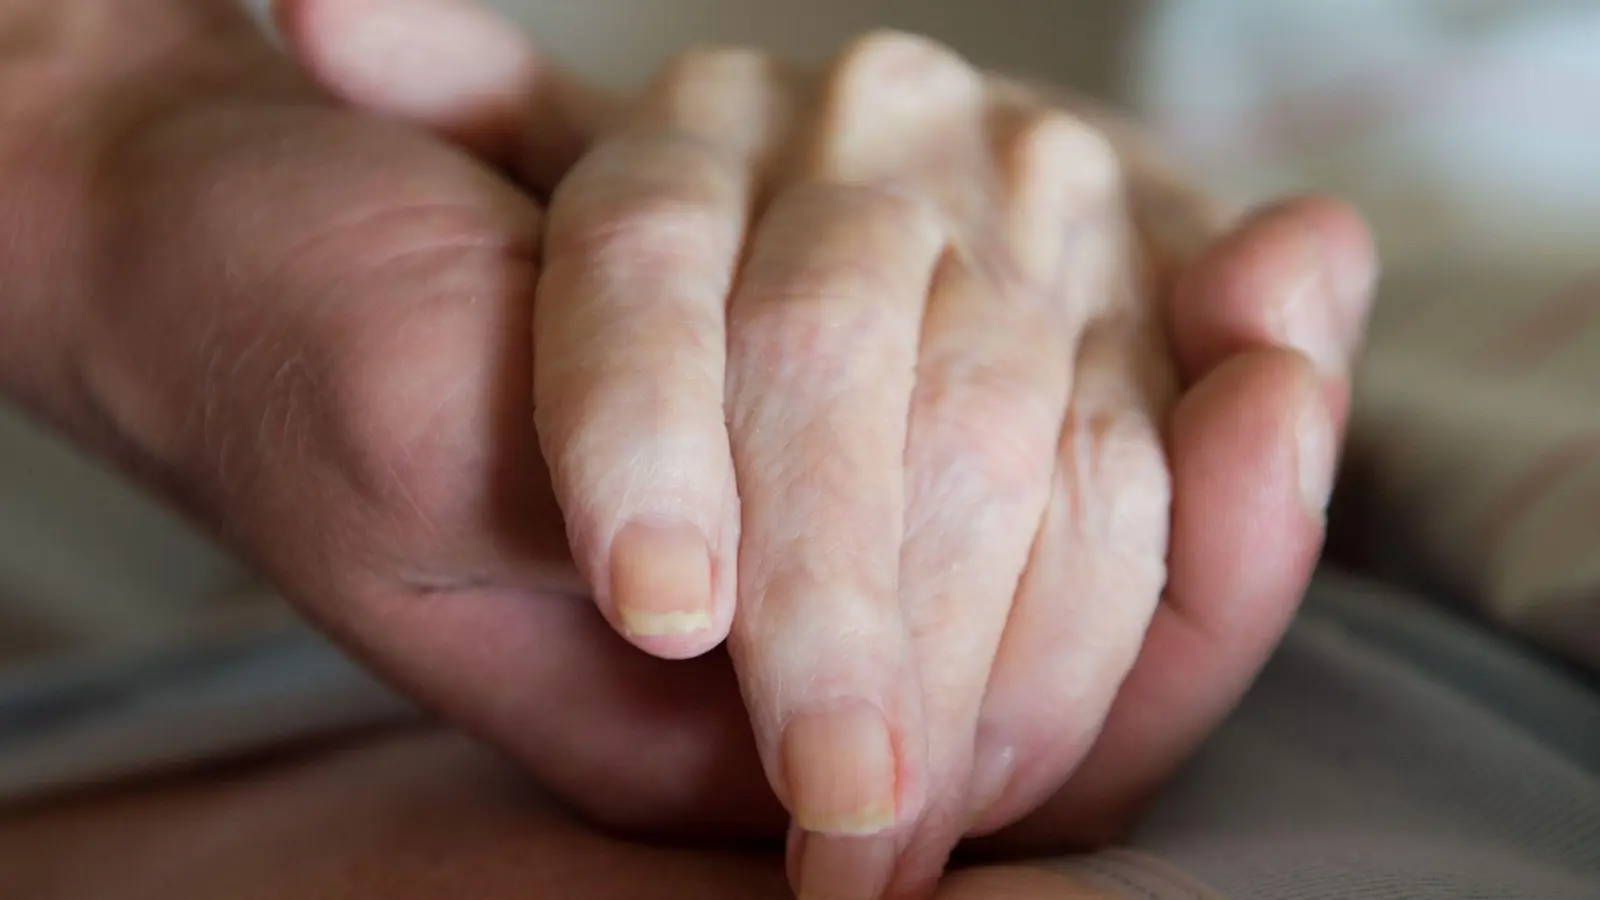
<point>1315,450</point>
<point>661,580</point>
<point>648,624</point>
<point>839,768</point>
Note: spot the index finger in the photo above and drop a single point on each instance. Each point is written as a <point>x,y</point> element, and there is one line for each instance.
<point>823,339</point>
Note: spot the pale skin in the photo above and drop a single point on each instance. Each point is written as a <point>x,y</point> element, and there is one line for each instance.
<point>880,342</point>
<point>312,327</point>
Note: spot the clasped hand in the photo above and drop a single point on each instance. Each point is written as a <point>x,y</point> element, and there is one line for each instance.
<point>996,464</point>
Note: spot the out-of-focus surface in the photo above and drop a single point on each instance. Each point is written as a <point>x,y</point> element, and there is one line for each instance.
<point>1466,131</point>
<point>1076,42</point>
<point>85,558</point>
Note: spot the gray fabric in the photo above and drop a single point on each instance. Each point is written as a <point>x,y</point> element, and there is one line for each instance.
<point>1391,751</point>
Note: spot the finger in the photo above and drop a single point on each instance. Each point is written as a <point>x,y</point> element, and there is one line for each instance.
<point>1228,325</point>
<point>1176,218</point>
<point>1095,577</point>
<point>1251,456</point>
<point>630,350</point>
<point>823,342</point>
<point>1268,320</point>
<point>1298,275</point>
<point>452,66</point>
<point>993,383</point>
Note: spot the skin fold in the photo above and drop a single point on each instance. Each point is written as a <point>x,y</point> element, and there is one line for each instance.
<point>898,306</point>
<point>1004,491</point>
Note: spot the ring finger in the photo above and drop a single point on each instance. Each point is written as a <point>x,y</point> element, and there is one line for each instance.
<point>994,381</point>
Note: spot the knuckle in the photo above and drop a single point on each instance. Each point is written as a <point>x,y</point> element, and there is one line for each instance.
<point>1122,481</point>
<point>832,299</point>
<point>990,430</point>
<point>887,56</point>
<point>889,69</point>
<point>410,402</point>
<point>889,208</point>
<point>1056,154</point>
<point>643,224</point>
<point>389,390</point>
<point>732,97</point>
<point>609,409</point>
<point>840,304</point>
<point>859,604</point>
<point>822,335</point>
<point>868,241</point>
<point>869,210</point>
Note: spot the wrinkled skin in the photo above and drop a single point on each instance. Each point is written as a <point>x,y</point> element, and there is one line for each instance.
<point>868,368</point>
<point>312,328</point>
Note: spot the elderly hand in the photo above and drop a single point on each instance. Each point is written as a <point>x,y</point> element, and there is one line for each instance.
<point>311,328</point>
<point>869,371</point>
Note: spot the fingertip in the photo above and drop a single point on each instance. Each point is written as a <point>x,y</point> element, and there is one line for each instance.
<point>840,783</point>
<point>1297,274</point>
<point>663,596</point>
<point>1349,247</point>
<point>823,867</point>
<point>455,68</point>
<point>840,771</point>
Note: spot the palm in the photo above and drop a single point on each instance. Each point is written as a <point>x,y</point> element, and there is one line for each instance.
<point>376,454</point>
<point>385,473</point>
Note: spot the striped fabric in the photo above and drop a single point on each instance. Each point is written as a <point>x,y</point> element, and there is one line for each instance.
<point>1469,132</point>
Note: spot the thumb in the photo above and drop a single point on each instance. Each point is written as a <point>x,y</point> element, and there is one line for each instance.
<point>454,67</point>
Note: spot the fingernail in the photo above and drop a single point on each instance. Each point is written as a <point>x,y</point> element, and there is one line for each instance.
<point>1306,319</point>
<point>839,769</point>
<point>992,768</point>
<point>1351,267</point>
<point>1314,446</point>
<point>661,579</point>
<point>1350,275</point>
<point>839,868</point>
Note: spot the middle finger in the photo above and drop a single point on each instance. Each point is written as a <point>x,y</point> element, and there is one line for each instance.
<point>822,355</point>
<point>993,387</point>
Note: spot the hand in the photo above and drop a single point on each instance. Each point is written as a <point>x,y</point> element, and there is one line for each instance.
<point>855,183</point>
<point>867,356</point>
<point>308,328</point>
